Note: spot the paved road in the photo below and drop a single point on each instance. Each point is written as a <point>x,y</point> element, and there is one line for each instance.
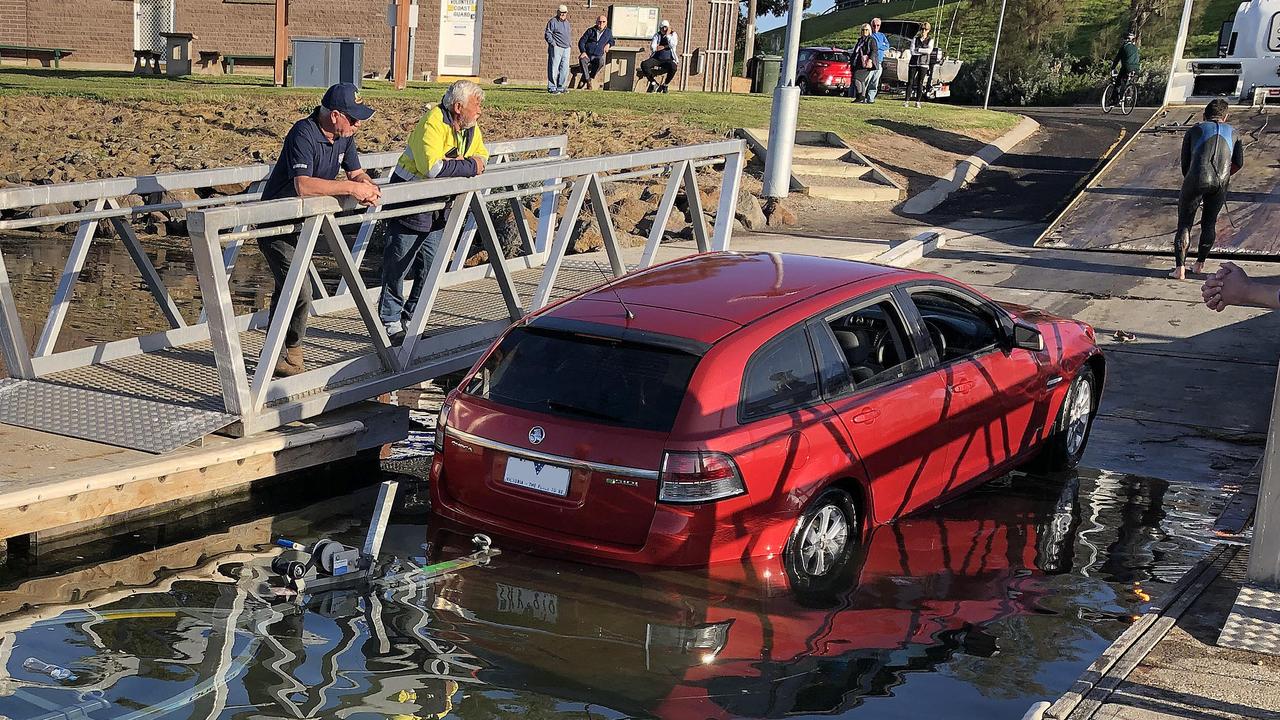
<point>1037,178</point>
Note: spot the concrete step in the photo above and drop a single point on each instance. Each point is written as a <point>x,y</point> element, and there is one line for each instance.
<point>850,190</point>
<point>830,168</point>
<point>818,152</point>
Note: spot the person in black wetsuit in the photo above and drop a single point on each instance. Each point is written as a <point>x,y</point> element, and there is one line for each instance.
<point>1211,154</point>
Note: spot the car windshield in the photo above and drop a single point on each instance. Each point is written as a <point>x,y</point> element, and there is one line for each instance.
<point>622,383</point>
<point>833,57</point>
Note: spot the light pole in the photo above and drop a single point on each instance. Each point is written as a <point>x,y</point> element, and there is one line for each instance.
<point>786,105</point>
<point>991,74</point>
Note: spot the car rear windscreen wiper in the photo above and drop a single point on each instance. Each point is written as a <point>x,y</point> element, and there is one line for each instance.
<point>584,412</point>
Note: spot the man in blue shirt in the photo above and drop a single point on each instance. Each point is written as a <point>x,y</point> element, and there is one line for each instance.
<point>593,46</point>
<point>882,44</point>
<point>557,37</point>
<point>314,150</point>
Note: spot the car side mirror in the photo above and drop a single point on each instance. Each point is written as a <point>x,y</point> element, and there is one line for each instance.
<point>1027,337</point>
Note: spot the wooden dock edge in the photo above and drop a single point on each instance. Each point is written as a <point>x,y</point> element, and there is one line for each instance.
<point>222,465</point>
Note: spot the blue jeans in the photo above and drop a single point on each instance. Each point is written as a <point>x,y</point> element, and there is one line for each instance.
<point>408,254</point>
<point>557,69</point>
<point>873,82</point>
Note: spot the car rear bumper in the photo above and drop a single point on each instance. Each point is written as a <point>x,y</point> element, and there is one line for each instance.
<point>680,535</point>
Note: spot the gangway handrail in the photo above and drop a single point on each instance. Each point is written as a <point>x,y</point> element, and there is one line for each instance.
<point>102,198</point>
<point>260,401</point>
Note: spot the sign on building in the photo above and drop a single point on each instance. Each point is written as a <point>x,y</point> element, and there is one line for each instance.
<point>634,21</point>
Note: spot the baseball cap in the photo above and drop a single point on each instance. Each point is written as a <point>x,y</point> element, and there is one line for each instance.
<point>562,8</point>
<point>345,98</point>
<point>665,23</point>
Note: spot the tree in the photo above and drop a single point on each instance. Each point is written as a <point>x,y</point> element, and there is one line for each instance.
<point>1141,11</point>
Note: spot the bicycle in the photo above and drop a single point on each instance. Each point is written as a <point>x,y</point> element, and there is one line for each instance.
<point>1123,100</point>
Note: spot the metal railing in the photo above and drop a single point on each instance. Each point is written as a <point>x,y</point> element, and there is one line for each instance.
<point>103,200</point>
<point>261,401</point>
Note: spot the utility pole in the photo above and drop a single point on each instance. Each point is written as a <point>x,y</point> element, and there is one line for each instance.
<point>281,41</point>
<point>991,74</point>
<point>749,40</point>
<point>786,106</point>
<point>400,38</point>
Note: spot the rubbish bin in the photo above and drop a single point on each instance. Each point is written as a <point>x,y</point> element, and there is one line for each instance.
<point>325,61</point>
<point>767,69</point>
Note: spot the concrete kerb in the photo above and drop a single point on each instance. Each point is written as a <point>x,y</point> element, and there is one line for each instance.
<point>913,250</point>
<point>968,169</point>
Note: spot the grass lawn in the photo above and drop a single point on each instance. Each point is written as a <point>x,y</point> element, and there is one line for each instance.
<point>717,113</point>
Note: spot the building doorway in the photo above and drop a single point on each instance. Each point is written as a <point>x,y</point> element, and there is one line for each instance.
<point>150,18</point>
<point>460,22</point>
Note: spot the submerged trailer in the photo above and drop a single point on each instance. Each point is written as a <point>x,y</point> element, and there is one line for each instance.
<point>1247,70</point>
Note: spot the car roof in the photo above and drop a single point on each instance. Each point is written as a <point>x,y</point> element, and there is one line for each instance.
<point>705,297</point>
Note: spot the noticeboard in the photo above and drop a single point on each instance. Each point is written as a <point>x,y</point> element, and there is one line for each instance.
<point>633,21</point>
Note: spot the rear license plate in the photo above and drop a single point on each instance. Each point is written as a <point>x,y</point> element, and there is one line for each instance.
<point>528,603</point>
<point>537,476</point>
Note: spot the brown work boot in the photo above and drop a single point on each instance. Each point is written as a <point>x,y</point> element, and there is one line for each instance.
<point>290,363</point>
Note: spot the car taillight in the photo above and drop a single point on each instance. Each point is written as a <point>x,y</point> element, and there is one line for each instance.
<point>699,476</point>
<point>442,421</point>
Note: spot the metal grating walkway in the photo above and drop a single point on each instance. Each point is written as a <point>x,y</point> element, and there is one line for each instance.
<point>166,399</point>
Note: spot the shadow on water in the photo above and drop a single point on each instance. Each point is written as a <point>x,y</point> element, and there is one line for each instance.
<point>974,609</point>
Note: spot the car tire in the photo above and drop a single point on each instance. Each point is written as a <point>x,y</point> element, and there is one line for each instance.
<point>1066,443</point>
<point>823,542</point>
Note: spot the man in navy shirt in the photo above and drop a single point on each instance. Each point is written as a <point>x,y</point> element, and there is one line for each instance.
<point>593,46</point>
<point>314,150</point>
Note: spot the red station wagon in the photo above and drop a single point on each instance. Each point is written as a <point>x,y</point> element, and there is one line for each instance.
<point>732,405</point>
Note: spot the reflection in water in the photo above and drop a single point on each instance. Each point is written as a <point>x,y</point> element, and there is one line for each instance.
<point>974,609</point>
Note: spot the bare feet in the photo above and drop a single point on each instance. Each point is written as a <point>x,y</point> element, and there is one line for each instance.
<point>1198,268</point>
<point>1178,273</point>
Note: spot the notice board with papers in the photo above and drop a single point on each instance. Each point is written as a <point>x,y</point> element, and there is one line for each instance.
<point>633,21</point>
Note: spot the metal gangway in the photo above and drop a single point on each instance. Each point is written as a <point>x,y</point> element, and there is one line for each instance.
<point>158,392</point>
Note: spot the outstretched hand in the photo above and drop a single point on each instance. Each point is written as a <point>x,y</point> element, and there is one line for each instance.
<point>1225,287</point>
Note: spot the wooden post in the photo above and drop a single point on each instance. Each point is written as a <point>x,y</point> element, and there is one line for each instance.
<point>1264,551</point>
<point>400,67</point>
<point>282,41</point>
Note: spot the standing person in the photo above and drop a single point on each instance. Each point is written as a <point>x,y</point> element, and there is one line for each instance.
<point>1127,60</point>
<point>1211,154</point>
<point>662,58</point>
<point>316,147</point>
<point>446,142</point>
<point>593,46</point>
<point>557,37</point>
<point>921,55</point>
<point>862,63</point>
<point>882,44</point>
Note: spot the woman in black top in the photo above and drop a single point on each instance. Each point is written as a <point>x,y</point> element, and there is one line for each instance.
<point>921,54</point>
<point>862,63</point>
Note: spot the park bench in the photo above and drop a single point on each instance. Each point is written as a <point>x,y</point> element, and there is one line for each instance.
<point>229,61</point>
<point>45,54</point>
<point>146,62</point>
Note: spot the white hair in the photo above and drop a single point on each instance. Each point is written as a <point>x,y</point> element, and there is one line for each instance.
<point>461,91</point>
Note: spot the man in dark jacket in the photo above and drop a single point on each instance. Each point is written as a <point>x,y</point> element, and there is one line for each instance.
<point>1127,61</point>
<point>315,150</point>
<point>1211,154</point>
<point>593,46</point>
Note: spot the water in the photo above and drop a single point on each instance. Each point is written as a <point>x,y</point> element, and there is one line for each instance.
<point>976,609</point>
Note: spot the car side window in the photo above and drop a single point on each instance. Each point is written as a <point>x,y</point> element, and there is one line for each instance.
<point>780,376</point>
<point>875,344</point>
<point>958,326</point>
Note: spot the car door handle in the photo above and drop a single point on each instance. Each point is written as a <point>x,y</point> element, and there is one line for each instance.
<point>866,416</point>
<point>962,387</point>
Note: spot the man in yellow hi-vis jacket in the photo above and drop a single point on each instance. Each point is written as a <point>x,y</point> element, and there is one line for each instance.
<point>446,142</point>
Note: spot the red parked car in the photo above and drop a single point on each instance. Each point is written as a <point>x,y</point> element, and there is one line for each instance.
<point>823,70</point>
<point>732,405</point>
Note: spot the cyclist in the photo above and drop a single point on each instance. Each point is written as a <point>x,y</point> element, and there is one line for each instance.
<point>1127,61</point>
<point>1211,154</point>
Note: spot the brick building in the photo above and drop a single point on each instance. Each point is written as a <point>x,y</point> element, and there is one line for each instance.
<point>506,33</point>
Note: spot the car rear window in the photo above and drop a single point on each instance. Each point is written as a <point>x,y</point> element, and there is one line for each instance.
<point>596,379</point>
<point>833,57</point>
